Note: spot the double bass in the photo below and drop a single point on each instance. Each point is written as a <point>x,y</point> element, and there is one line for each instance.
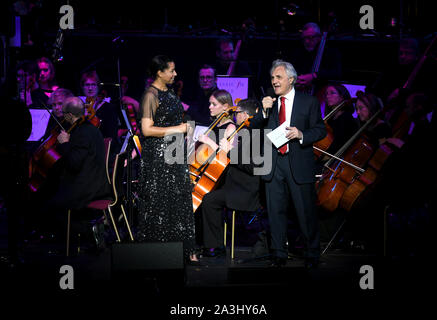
<point>46,155</point>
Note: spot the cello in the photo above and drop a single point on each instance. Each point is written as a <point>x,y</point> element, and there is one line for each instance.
<point>332,187</point>
<point>46,155</point>
<point>199,152</point>
<point>210,170</point>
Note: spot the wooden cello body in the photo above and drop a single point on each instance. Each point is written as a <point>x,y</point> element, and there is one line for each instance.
<point>208,169</point>
<point>45,157</point>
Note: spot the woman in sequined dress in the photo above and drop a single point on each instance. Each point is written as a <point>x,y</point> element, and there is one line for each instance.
<point>165,206</point>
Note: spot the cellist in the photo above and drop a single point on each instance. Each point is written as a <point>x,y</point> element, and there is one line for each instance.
<point>56,101</point>
<point>240,190</point>
<point>219,101</point>
<point>343,124</point>
<point>82,173</point>
<point>367,105</point>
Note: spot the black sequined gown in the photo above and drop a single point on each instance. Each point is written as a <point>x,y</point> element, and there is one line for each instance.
<point>165,206</point>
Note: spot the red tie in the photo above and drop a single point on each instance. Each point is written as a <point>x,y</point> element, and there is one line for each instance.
<point>282,149</point>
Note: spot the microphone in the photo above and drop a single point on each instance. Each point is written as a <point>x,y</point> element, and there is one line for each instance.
<point>269,93</point>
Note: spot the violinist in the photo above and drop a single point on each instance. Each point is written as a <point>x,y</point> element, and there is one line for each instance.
<point>105,110</point>
<point>240,190</point>
<point>343,124</point>
<point>220,100</point>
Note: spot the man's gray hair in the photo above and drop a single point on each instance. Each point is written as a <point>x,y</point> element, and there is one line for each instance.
<point>60,92</point>
<point>289,69</point>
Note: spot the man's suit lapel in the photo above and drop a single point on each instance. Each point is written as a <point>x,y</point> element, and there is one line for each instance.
<point>296,104</point>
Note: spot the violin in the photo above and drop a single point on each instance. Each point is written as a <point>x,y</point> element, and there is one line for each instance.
<point>209,172</point>
<point>46,155</point>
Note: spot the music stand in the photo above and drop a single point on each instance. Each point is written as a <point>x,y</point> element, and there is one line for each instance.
<point>129,145</point>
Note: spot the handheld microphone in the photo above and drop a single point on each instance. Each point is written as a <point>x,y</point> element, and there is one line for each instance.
<point>269,93</point>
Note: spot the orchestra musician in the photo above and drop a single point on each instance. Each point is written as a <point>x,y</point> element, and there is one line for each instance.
<point>220,100</point>
<point>343,124</point>
<point>46,79</point>
<point>198,108</point>
<point>105,110</point>
<point>239,189</point>
<point>304,56</point>
<point>56,101</point>
<point>82,170</point>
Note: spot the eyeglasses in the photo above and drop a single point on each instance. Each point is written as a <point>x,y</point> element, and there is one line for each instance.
<point>206,77</point>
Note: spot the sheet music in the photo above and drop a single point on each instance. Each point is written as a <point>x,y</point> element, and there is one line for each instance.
<point>40,120</point>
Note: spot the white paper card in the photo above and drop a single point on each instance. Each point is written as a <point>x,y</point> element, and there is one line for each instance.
<point>277,136</point>
<point>198,130</point>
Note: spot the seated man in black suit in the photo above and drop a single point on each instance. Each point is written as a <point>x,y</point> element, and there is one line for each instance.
<point>83,173</point>
<point>240,189</point>
<point>82,177</point>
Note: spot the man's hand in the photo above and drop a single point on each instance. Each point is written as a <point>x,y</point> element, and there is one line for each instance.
<point>293,133</point>
<point>268,102</point>
<point>63,137</point>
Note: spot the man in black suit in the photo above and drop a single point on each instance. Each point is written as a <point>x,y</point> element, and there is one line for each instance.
<point>293,171</point>
<point>240,190</point>
<point>83,172</point>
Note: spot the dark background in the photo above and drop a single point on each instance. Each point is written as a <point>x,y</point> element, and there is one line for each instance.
<point>187,31</point>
